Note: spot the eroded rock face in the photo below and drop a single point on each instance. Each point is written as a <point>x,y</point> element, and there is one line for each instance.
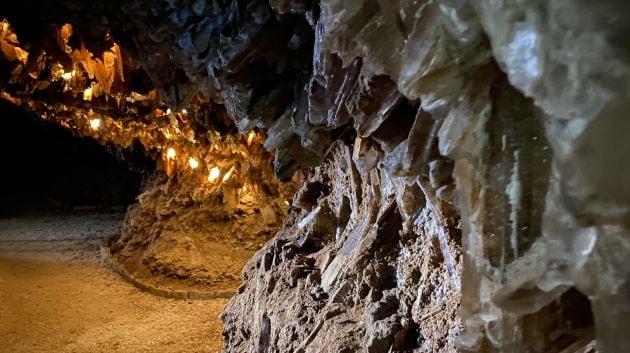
<point>352,270</point>
<point>184,235</point>
<point>506,115</point>
<point>465,161</point>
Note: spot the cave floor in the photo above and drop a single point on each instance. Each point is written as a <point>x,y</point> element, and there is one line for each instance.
<point>56,296</point>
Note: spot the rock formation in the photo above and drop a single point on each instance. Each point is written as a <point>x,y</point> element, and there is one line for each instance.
<point>462,163</point>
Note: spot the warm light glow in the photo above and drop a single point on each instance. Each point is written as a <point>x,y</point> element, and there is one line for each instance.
<point>87,94</point>
<point>170,153</point>
<point>95,124</point>
<point>227,175</point>
<point>168,111</point>
<point>7,96</point>
<point>184,111</point>
<point>193,163</point>
<point>215,172</point>
<point>250,138</point>
<point>68,75</point>
<point>244,188</point>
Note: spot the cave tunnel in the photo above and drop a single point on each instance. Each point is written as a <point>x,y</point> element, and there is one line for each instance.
<point>47,168</point>
<point>314,176</point>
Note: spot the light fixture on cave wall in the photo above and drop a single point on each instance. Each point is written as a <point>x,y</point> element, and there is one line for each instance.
<point>96,124</point>
<point>231,162</point>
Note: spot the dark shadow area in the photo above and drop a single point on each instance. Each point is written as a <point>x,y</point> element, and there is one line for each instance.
<point>46,168</point>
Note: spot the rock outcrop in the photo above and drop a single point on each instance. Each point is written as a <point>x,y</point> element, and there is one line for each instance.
<point>354,268</point>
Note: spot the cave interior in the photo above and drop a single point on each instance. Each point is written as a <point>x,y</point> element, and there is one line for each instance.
<point>333,176</point>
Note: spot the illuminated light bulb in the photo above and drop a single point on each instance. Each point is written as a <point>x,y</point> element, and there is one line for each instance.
<point>250,138</point>
<point>215,172</point>
<point>227,175</point>
<point>193,163</point>
<point>184,111</point>
<point>87,94</point>
<point>95,124</point>
<point>170,153</point>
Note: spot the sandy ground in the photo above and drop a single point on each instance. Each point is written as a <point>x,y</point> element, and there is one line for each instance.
<point>55,295</point>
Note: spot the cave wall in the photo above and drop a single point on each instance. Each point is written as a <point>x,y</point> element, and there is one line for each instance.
<point>464,161</point>
<point>506,93</point>
<point>364,262</point>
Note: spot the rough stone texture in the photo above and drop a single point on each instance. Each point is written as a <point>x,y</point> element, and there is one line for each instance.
<point>345,274</point>
<point>202,231</point>
<point>466,149</point>
<point>197,237</point>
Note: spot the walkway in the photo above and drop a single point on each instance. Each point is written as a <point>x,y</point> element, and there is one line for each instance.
<point>55,296</point>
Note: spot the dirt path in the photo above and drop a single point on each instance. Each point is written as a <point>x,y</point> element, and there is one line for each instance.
<point>55,296</point>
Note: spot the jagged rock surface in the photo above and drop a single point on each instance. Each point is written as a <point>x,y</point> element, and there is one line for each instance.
<point>352,269</point>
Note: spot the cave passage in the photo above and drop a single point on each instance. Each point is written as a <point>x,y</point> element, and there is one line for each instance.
<point>73,233</point>
<point>46,168</point>
<point>60,197</point>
